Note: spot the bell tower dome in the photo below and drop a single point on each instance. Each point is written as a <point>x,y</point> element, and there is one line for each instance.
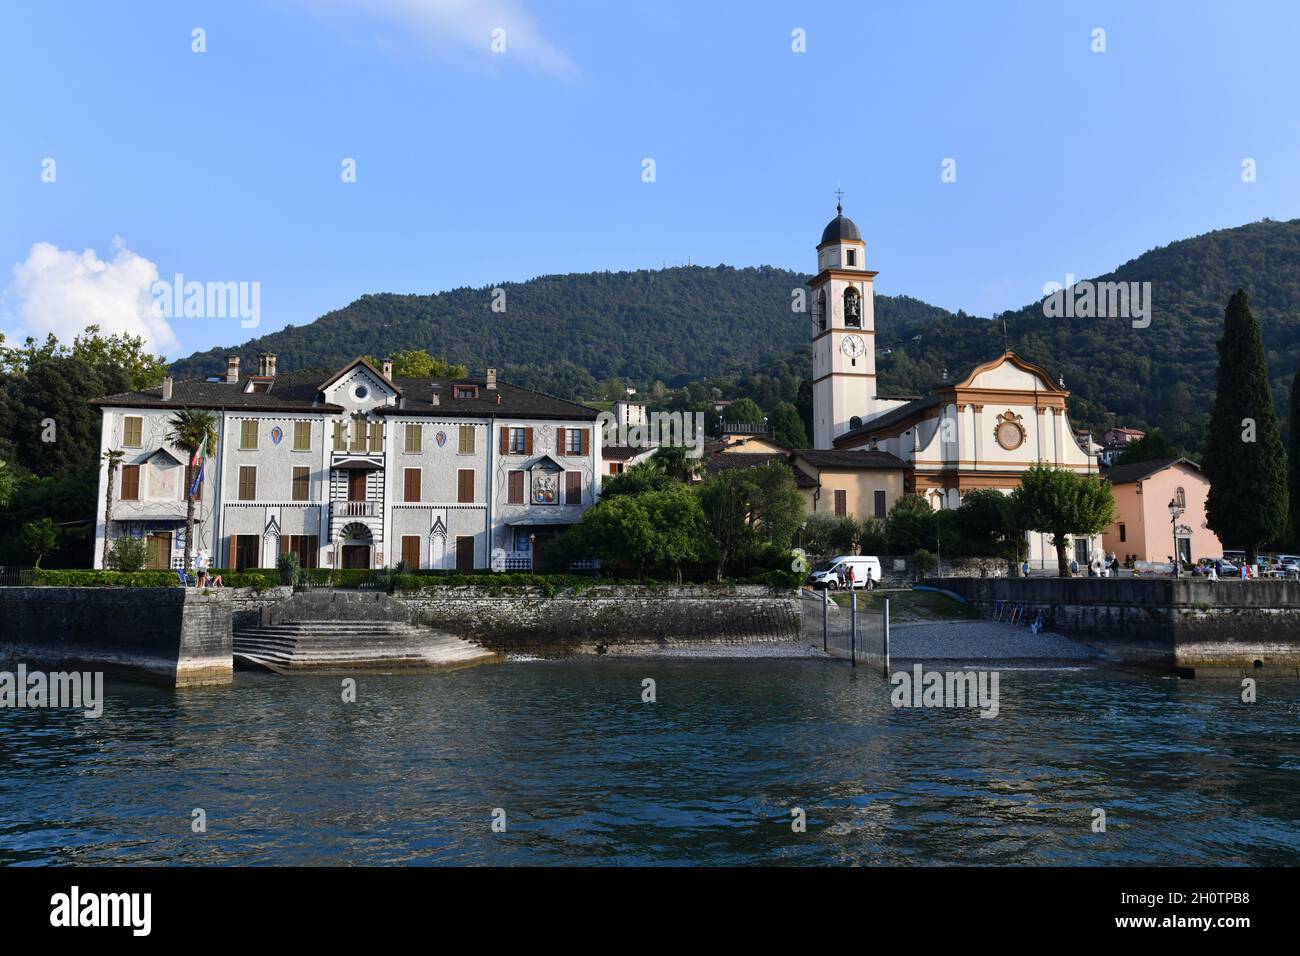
<point>843,331</point>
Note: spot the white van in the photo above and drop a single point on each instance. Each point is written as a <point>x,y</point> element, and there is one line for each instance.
<point>833,573</point>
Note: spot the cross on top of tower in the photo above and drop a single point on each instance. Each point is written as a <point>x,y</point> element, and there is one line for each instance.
<point>839,200</point>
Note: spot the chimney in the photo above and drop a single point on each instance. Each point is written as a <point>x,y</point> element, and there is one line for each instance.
<point>491,378</point>
<point>388,369</point>
<point>232,370</point>
<point>167,389</point>
<point>266,364</point>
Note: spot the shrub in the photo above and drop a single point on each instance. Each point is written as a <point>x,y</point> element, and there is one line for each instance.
<point>95,579</point>
<point>923,562</point>
<point>289,567</point>
<point>128,554</point>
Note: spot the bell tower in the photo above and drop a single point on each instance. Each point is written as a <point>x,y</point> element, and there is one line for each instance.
<point>843,331</point>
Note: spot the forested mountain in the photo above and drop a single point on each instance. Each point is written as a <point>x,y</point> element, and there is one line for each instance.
<point>566,333</point>
<point>1162,375</point>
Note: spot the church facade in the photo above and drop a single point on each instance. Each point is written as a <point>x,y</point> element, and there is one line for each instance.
<point>981,431</point>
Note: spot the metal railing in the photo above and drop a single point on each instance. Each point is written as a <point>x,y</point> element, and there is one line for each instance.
<point>355,509</point>
<point>11,577</point>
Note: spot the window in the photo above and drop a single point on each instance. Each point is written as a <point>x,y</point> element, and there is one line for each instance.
<point>516,491</point>
<point>467,439</point>
<point>245,551</point>
<point>360,393</point>
<point>340,437</point>
<point>303,545</point>
<point>411,484</point>
<point>852,255</point>
<point>820,308</point>
<point>852,308</point>
<point>414,440</point>
<point>880,504</point>
<point>248,434</point>
<point>130,483</point>
<point>516,441</point>
<point>358,433</point>
<point>247,482</point>
<point>841,503</point>
<point>376,437</point>
<point>573,487</point>
<point>133,431</point>
<point>302,436</point>
<point>1122,536</point>
<point>616,468</point>
<point>574,440</point>
<point>1180,498</point>
<point>301,483</point>
<point>411,550</point>
<point>465,485</point>
<point>464,391</point>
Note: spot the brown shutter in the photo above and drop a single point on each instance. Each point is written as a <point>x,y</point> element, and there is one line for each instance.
<point>528,441</point>
<point>465,486</point>
<point>516,491</point>
<point>230,557</point>
<point>560,447</point>
<point>284,544</point>
<point>505,440</point>
<point>411,483</point>
<point>586,442</point>
<point>573,487</point>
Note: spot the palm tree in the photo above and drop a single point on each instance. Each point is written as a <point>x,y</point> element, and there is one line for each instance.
<point>192,430</point>
<point>676,463</point>
<point>112,458</point>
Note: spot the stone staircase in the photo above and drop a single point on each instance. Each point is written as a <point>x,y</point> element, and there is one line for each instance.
<point>290,646</point>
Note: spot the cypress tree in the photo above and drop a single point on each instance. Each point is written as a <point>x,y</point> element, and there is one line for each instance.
<point>1245,461</point>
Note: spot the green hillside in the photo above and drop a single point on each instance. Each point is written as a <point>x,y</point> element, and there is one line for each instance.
<point>566,333</point>
<point>1162,375</point>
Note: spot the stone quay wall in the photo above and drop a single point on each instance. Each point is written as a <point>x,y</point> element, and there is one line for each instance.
<point>173,636</point>
<point>1208,628</point>
<point>527,620</point>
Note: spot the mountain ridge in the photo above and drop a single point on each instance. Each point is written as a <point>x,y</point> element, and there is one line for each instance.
<point>563,333</point>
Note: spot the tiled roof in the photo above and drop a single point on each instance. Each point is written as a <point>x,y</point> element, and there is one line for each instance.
<point>620,452</point>
<point>849,458</point>
<point>300,391</point>
<point>889,419</point>
<point>1139,470</point>
<point>294,391</point>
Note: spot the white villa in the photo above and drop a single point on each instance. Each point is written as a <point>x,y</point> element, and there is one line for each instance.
<point>360,470</point>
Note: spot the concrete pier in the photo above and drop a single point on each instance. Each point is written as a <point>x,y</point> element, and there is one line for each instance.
<point>177,637</point>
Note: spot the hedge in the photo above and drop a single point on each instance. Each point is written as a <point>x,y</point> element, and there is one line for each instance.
<point>262,578</point>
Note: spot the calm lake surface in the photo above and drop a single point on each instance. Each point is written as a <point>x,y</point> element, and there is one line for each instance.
<point>588,774</point>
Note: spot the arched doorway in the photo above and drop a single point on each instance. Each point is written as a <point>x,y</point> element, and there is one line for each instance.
<point>355,546</point>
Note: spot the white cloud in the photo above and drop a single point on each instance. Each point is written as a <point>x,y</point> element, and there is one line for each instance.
<point>62,291</point>
<point>467,25</point>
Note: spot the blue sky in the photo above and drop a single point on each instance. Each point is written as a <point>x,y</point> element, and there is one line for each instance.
<point>475,167</point>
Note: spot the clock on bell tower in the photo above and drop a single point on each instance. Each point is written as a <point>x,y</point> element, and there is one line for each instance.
<point>843,331</point>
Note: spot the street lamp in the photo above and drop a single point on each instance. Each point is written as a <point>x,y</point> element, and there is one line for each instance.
<point>1175,512</point>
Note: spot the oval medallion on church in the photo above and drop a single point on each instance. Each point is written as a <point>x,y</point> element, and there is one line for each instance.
<point>1010,435</point>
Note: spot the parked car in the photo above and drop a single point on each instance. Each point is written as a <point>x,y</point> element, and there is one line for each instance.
<point>832,574</point>
<point>1221,566</point>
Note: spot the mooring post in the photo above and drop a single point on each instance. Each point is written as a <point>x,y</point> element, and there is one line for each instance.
<point>886,637</point>
<point>826,616</point>
<point>853,629</point>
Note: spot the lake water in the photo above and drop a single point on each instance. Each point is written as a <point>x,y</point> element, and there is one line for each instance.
<point>587,773</point>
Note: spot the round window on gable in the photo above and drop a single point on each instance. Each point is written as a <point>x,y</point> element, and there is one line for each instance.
<point>360,392</point>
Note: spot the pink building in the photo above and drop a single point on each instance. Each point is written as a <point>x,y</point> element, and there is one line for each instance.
<point>1143,525</point>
